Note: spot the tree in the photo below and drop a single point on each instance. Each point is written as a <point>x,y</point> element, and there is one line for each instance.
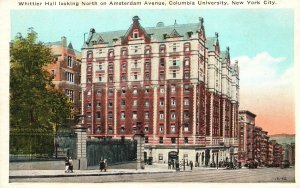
<point>34,102</point>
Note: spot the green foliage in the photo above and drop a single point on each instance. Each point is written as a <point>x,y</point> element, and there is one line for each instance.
<point>34,102</point>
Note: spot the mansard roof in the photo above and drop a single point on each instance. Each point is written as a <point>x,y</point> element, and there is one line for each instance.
<point>210,43</point>
<point>158,33</point>
<point>225,55</point>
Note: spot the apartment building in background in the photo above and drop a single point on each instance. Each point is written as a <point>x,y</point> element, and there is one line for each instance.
<point>173,80</point>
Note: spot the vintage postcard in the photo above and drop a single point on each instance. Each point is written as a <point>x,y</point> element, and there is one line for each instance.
<point>164,92</point>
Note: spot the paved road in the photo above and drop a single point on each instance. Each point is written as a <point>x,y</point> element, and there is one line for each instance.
<point>197,176</point>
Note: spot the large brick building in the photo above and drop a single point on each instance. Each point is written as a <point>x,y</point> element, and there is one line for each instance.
<point>66,70</point>
<point>173,79</point>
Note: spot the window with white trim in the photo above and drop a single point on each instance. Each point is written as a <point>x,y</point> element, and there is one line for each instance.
<point>173,115</point>
<point>161,115</point>
<point>173,88</point>
<point>173,101</point>
<point>70,62</point>
<point>134,115</point>
<point>122,115</point>
<point>173,128</point>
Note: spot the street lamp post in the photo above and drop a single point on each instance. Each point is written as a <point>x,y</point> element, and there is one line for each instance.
<point>177,160</point>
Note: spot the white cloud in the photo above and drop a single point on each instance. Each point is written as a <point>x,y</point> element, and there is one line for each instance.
<point>262,70</point>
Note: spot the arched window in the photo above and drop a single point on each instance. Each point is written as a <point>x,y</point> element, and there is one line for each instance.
<point>124,51</point>
<point>135,34</point>
<point>162,49</point>
<point>111,53</point>
<point>89,55</point>
<point>147,50</point>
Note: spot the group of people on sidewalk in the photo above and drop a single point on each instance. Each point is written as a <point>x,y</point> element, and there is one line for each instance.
<point>68,164</point>
<point>171,164</point>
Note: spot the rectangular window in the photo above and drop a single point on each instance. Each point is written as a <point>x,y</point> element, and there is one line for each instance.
<point>134,90</point>
<point>89,105</point>
<point>186,128</point>
<point>174,74</point>
<point>162,76</point>
<point>123,103</point>
<point>186,88</point>
<point>123,90</point>
<point>135,102</point>
<point>162,62</point>
<point>173,115</point>
<point>110,103</point>
<point>146,129</point>
<point>146,103</point>
<point>70,77</point>
<point>161,101</point>
<point>186,101</point>
<point>173,129</point>
<point>135,76</point>
<point>146,115</point>
<point>173,101</point>
<point>186,62</point>
<point>98,115</point>
<point>122,115</point>
<point>173,88</point>
<point>186,75</point>
<point>162,89</point>
<point>70,94</point>
<point>146,139</point>
<point>134,115</point>
<point>161,115</point>
<point>147,90</point>
<point>98,104</point>
<point>161,128</point>
<point>110,115</point>
<point>186,115</point>
<point>70,63</point>
<point>174,62</point>
<point>88,115</point>
<point>174,47</point>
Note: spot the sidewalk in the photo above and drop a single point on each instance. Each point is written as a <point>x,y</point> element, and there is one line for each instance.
<point>155,168</point>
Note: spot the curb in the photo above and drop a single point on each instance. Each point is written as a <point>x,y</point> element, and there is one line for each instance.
<point>77,175</point>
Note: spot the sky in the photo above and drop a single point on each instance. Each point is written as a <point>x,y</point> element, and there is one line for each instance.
<point>262,40</point>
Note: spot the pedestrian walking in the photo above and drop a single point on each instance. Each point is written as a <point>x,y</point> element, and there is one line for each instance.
<point>173,164</point>
<point>101,165</point>
<point>105,165</point>
<point>191,165</point>
<point>71,164</point>
<point>66,164</point>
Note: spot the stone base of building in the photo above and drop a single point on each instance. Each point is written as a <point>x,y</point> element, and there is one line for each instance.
<point>199,155</point>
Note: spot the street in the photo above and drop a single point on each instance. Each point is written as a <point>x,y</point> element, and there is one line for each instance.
<point>198,176</point>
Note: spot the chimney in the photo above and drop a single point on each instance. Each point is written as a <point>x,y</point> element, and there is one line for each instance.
<point>64,41</point>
